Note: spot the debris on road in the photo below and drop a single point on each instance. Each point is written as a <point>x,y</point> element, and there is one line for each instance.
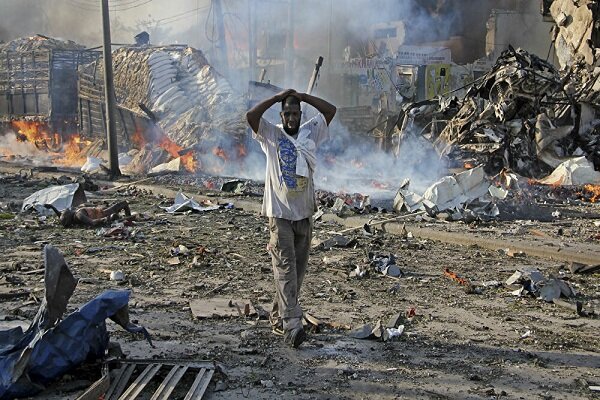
<point>60,197</point>
<point>184,203</point>
<point>221,307</point>
<point>533,282</point>
<point>385,264</point>
<point>133,378</point>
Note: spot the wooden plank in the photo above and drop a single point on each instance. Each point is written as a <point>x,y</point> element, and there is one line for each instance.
<point>124,125</point>
<point>50,102</point>
<point>194,387</point>
<point>204,385</point>
<point>168,384</point>
<point>140,383</point>
<point>89,111</point>
<point>200,384</point>
<point>98,388</point>
<point>37,107</point>
<point>118,385</point>
<point>171,362</point>
<point>22,92</point>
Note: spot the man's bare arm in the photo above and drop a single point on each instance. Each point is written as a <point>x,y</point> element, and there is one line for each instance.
<point>83,219</point>
<point>324,107</point>
<point>255,114</point>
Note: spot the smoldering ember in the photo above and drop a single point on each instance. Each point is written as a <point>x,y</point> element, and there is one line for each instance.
<point>231,199</point>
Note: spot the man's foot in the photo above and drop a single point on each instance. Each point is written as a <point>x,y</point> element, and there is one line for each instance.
<point>295,337</point>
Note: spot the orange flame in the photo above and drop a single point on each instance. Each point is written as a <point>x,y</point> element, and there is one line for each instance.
<point>38,133</point>
<point>188,160</point>
<point>73,153</point>
<point>34,132</point>
<point>469,165</point>
<point>594,190</point>
<point>220,152</point>
<point>137,139</point>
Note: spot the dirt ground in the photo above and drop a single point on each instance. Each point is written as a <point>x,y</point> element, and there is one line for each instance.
<point>460,344</point>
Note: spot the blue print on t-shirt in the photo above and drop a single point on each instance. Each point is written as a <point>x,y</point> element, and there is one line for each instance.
<point>287,162</point>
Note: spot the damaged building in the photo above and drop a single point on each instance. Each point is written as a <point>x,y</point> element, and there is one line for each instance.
<point>169,96</point>
<point>524,114</point>
<point>38,85</point>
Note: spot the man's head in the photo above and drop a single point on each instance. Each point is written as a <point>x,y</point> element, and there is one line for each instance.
<point>67,217</point>
<point>291,114</point>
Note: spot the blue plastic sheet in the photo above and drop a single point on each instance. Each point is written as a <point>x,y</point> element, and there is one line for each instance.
<point>31,360</point>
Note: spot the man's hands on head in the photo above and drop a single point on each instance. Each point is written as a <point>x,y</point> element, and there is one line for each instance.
<point>255,113</point>
<point>289,92</point>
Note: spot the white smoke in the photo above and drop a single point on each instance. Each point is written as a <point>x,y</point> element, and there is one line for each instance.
<point>11,147</point>
<point>351,165</point>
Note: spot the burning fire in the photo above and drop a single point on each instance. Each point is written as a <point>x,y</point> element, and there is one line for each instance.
<point>37,133</point>
<point>70,147</point>
<point>137,139</point>
<point>73,151</point>
<point>594,190</point>
<point>220,152</point>
<point>188,160</point>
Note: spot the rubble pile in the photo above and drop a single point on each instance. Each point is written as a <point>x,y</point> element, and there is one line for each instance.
<point>577,31</point>
<point>188,98</point>
<point>523,115</point>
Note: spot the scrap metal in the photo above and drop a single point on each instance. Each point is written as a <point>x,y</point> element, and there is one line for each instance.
<point>523,115</point>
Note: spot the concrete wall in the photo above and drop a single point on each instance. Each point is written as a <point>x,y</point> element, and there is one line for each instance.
<point>526,30</point>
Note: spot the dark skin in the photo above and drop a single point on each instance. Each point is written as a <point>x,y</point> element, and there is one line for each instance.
<point>291,113</point>
<point>91,216</point>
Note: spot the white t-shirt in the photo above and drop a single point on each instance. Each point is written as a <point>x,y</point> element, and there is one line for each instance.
<point>287,194</point>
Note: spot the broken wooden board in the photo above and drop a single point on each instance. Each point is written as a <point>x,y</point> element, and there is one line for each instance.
<point>220,307</point>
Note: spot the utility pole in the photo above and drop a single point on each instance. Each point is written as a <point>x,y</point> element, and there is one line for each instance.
<point>289,49</point>
<point>252,39</point>
<point>329,40</point>
<point>109,95</point>
<point>222,43</point>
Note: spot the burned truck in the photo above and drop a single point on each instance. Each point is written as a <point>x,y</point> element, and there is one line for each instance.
<point>38,89</point>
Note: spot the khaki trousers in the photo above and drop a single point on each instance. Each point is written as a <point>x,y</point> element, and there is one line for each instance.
<point>289,247</point>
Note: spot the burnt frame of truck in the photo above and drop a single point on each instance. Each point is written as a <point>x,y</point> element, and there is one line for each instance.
<point>42,85</point>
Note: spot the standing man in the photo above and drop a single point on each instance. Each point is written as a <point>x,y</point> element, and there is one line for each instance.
<point>289,198</point>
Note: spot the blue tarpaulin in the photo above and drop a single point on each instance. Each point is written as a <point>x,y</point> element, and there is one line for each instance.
<point>32,359</point>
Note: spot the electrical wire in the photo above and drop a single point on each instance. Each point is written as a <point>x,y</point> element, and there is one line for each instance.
<point>173,20</point>
<point>185,13</point>
<point>122,3</point>
<point>81,4</point>
<point>211,11</point>
<point>232,31</point>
